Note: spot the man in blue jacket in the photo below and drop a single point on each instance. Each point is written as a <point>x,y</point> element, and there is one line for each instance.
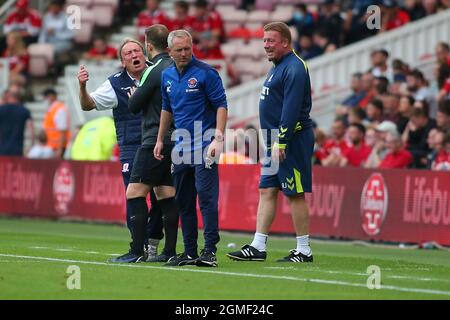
<point>194,97</point>
<point>285,104</point>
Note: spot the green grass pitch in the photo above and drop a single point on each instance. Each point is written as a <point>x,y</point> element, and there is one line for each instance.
<point>35,256</point>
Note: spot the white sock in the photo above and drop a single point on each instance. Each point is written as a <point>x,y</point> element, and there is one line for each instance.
<point>259,241</point>
<point>303,245</point>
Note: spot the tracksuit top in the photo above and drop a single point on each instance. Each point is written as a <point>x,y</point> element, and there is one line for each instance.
<point>193,96</point>
<point>285,100</point>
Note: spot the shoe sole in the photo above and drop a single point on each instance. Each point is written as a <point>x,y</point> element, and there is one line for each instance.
<point>201,263</point>
<point>245,259</point>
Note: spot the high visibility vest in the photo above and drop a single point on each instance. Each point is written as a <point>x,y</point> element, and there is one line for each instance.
<point>53,134</point>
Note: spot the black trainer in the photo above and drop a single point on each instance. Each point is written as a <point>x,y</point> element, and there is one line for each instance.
<point>129,257</point>
<point>248,253</point>
<point>296,257</point>
<point>182,259</point>
<point>207,259</point>
<point>160,258</point>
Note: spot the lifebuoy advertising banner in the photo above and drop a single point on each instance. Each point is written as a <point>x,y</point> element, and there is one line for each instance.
<point>383,205</point>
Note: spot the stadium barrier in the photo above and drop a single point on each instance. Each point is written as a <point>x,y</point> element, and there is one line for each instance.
<point>408,206</point>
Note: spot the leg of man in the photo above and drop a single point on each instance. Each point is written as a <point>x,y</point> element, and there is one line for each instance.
<point>207,184</point>
<point>186,196</point>
<point>136,197</point>
<point>127,166</point>
<point>169,207</point>
<point>266,214</point>
<point>300,219</point>
<point>154,226</point>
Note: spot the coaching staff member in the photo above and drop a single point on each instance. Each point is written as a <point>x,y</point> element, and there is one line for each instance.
<point>193,94</point>
<point>149,172</point>
<point>113,94</point>
<point>284,105</point>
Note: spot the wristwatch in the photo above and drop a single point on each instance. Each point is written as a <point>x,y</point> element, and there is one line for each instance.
<point>218,137</point>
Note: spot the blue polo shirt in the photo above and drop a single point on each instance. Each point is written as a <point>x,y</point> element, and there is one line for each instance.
<point>193,98</point>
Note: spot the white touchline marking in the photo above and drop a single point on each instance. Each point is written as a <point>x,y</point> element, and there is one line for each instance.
<point>237,274</point>
<point>76,251</point>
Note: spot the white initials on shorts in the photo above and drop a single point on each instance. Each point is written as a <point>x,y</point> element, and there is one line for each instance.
<point>125,167</point>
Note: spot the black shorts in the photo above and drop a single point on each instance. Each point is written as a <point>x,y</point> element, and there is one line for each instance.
<point>150,171</point>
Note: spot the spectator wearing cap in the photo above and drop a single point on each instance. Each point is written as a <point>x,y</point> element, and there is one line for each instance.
<point>392,16</point>
<point>443,115</point>
<point>55,29</point>
<point>416,134</point>
<point>56,123</point>
<point>358,153</point>
<point>24,20</point>
<point>397,156</point>
<point>379,150</point>
<point>442,161</point>
<point>100,51</point>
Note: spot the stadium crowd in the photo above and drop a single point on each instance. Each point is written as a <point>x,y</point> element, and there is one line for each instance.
<point>395,117</point>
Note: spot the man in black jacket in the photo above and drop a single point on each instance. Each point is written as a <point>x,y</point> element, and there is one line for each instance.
<point>149,172</point>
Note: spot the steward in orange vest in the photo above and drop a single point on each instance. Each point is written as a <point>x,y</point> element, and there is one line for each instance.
<point>56,123</point>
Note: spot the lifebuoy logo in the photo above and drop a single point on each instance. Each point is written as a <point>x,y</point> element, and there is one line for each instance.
<point>374,203</point>
<point>63,188</point>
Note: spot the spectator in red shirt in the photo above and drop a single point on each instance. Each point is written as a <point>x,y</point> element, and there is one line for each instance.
<point>151,15</point>
<point>205,21</point>
<point>358,153</point>
<point>392,15</point>
<point>397,157</point>
<point>24,20</point>
<point>100,51</point>
<point>337,146</point>
<point>442,161</point>
<point>368,87</point>
<point>18,57</point>
<point>182,18</point>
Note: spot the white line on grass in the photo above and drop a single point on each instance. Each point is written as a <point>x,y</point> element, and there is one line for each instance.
<point>237,274</point>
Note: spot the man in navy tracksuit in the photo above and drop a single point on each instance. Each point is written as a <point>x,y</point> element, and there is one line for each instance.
<point>284,107</point>
<point>194,97</point>
<point>113,94</point>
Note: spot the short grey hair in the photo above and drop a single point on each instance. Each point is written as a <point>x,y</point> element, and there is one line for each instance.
<point>128,40</point>
<point>181,33</point>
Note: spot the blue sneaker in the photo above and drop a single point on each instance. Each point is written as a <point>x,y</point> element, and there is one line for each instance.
<point>129,257</point>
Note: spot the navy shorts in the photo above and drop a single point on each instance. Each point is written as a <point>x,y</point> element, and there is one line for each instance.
<point>294,174</point>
